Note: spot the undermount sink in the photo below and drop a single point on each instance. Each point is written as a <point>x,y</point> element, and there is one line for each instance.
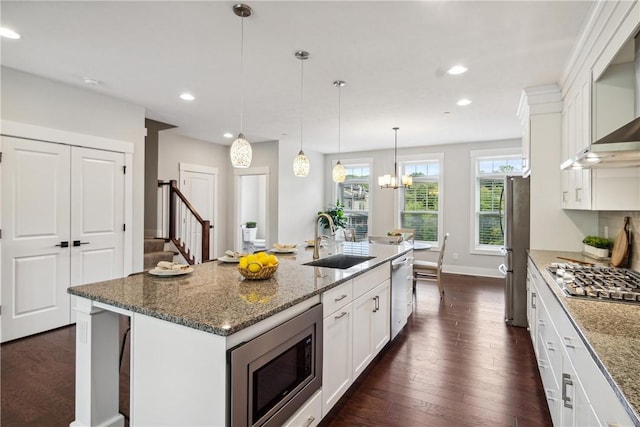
<point>341,261</point>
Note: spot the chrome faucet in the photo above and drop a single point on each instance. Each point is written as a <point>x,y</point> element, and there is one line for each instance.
<point>317,239</point>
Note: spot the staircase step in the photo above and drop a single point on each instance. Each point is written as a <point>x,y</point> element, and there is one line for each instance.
<point>151,259</point>
<point>153,245</point>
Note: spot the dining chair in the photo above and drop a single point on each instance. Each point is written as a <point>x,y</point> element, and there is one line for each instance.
<point>349,235</point>
<point>429,270</point>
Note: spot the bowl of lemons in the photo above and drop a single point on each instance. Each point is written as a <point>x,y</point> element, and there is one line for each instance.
<point>259,266</point>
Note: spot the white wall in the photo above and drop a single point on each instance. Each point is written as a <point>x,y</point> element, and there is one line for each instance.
<point>301,197</point>
<point>174,149</point>
<point>34,100</point>
<point>456,201</point>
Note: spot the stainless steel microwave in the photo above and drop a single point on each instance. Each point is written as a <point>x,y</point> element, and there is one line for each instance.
<point>272,375</point>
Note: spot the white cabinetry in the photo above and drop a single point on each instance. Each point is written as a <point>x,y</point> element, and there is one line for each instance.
<point>371,316</point>
<point>576,123</point>
<point>598,98</point>
<point>577,392</point>
<point>309,415</point>
<point>337,344</point>
<point>357,325</point>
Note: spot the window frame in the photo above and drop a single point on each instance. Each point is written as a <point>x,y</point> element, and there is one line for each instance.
<point>475,156</point>
<point>419,158</point>
<point>347,163</point>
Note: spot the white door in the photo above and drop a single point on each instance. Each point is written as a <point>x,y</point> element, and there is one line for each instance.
<point>36,227</point>
<point>199,189</point>
<point>97,215</point>
<point>63,216</point>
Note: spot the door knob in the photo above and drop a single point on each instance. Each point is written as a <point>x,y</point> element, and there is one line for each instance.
<point>78,243</point>
<point>63,244</point>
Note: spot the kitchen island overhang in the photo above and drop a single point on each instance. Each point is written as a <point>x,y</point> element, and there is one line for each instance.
<point>181,329</point>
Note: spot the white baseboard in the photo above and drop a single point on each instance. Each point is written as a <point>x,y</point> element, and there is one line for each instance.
<point>472,271</point>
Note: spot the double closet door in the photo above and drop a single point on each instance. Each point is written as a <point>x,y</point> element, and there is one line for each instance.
<point>62,225</point>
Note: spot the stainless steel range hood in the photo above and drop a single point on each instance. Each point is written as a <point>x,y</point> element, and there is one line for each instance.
<point>619,149</point>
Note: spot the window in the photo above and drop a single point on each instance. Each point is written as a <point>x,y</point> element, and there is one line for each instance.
<point>490,171</point>
<point>420,204</point>
<point>353,193</point>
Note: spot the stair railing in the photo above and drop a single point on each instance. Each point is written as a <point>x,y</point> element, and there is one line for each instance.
<point>184,226</point>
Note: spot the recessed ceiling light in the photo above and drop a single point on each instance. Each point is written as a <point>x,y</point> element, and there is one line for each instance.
<point>228,135</point>
<point>463,102</point>
<point>187,96</point>
<point>90,81</point>
<point>9,33</point>
<point>457,69</point>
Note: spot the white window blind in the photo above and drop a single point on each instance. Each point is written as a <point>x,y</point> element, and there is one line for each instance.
<point>490,176</point>
<point>420,204</point>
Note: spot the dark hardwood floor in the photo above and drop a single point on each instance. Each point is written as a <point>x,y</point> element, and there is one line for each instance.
<point>456,364</point>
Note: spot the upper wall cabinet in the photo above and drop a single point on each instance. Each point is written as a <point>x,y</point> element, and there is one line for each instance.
<point>599,96</point>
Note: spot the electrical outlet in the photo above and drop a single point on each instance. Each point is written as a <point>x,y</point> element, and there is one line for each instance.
<point>455,255</point>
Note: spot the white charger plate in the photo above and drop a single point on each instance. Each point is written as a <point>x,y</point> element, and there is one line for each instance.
<point>165,273</point>
<point>283,251</point>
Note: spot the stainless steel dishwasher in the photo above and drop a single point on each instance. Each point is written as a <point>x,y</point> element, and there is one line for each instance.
<point>400,272</point>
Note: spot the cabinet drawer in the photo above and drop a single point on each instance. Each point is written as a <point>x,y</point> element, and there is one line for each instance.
<point>336,297</point>
<point>309,414</point>
<point>371,279</point>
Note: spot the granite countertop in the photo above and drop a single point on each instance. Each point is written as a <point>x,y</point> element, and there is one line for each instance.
<point>611,330</point>
<point>215,298</point>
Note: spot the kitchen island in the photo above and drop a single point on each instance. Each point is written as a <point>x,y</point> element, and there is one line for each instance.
<point>181,329</point>
<point>608,331</point>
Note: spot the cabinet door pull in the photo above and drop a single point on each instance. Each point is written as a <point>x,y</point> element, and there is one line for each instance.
<point>550,346</point>
<point>566,380</point>
<point>341,315</point>
<point>340,298</point>
<point>63,245</point>
<point>310,421</point>
<point>533,298</point>
<point>549,393</point>
<point>568,342</point>
<point>78,243</point>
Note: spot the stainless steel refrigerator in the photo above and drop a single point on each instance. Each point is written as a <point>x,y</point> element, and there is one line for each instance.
<point>515,222</point>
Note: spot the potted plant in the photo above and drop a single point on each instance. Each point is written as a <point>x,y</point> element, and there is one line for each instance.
<point>251,224</point>
<point>597,247</point>
<point>336,212</point>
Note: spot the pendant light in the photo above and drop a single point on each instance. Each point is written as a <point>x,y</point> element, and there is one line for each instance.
<point>240,152</point>
<point>301,162</point>
<point>338,173</point>
<point>393,181</point>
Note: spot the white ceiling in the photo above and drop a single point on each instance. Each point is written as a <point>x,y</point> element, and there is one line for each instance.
<point>393,56</point>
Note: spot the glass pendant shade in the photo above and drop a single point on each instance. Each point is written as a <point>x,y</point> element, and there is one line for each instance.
<point>338,173</point>
<point>241,152</point>
<point>301,164</point>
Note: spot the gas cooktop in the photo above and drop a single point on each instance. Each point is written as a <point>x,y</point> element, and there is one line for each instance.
<point>602,283</point>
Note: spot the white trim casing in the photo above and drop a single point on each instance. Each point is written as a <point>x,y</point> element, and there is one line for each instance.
<point>474,155</point>
<point>441,196</point>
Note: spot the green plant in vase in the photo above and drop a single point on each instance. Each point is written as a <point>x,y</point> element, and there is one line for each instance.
<point>336,212</point>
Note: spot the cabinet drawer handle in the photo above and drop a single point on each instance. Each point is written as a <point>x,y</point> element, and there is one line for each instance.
<point>341,315</point>
<point>340,298</point>
<point>568,342</point>
<point>550,346</point>
<point>566,380</point>
<point>541,322</point>
<point>310,421</point>
<point>533,298</point>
